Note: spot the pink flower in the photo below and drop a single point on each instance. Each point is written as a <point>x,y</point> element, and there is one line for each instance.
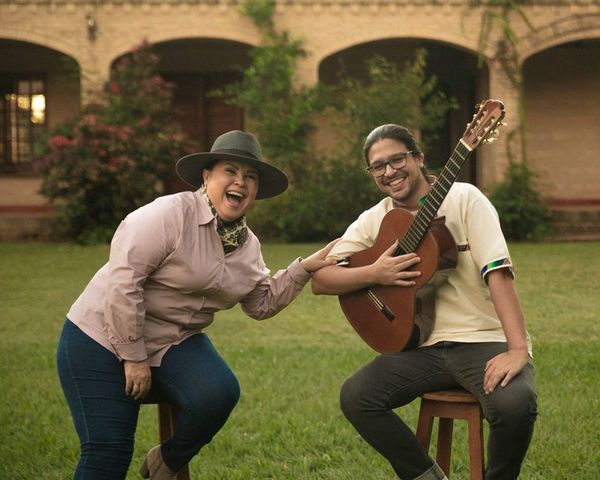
<point>59,141</point>
<point>114,88</point>
<point>89,119</point>
<point>144,122</point>
<point>115,161</point>
<point>124,133</point>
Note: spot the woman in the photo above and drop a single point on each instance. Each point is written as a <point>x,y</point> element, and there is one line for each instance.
<point>138,325</point>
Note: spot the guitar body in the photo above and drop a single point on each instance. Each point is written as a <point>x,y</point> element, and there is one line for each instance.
<point>392,330</point>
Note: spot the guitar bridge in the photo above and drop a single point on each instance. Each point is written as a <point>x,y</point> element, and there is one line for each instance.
<point>382,307</point>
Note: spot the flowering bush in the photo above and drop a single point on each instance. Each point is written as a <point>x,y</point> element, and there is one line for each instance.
<point>116,156</point>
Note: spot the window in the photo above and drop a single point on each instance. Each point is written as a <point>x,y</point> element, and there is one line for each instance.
<point>22,120</point>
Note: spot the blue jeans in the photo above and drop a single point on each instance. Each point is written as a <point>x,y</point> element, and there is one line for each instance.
<point>390,381</point>
<point>192,375</point>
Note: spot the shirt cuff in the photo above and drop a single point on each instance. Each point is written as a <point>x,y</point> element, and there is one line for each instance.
<point>495,265</point>
<point>298,274</point>
<point>135,351</point>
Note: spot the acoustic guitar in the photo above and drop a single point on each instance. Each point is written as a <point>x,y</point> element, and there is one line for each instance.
<point>390,318</point>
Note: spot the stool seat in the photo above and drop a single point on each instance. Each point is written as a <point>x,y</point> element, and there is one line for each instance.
<point>451,396</point>
<point>448,405</point>
<point>167,417</point>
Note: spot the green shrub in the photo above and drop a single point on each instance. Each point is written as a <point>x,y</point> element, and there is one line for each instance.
<point>390,94</point>
<point>523,213</point>
<point>116,156</point>
<point>280,114</point>
<point>320,205</point>
<point>332,191</point>
<point>326,192</point>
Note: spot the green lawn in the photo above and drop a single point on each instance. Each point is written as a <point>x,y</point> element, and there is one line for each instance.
<point>288,424</point>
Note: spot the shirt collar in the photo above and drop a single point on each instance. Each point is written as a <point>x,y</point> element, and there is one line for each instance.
<point>205,215</point>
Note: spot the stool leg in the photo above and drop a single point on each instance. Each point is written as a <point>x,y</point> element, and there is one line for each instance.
<point>424,425</point>
<point>476,445</point>
<point>167,416</point>
<point>444,444</point>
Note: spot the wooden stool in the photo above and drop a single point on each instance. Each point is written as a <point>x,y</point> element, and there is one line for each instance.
<point>448,405</point>
<point>167,416</point>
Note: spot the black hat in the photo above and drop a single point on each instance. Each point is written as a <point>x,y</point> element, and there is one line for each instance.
<point>239,146</point>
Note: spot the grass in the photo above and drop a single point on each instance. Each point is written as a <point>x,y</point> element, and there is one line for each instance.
<point>288,424</point>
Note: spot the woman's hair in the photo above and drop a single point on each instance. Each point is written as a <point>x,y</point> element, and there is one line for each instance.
<point>210,165</point>
<point>393,132</point>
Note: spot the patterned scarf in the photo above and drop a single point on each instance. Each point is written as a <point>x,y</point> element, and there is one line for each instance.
<point>232,234</point>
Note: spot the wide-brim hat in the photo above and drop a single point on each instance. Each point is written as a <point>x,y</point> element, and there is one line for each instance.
<point>239,146</point>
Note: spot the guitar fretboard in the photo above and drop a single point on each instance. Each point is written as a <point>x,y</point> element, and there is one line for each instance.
<point>434,199</point>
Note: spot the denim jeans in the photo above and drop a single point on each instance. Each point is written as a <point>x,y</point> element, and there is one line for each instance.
<point>192,375</point>
<point>392,380</point>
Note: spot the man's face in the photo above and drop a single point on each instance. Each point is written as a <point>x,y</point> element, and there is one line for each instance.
<point>406,185</point>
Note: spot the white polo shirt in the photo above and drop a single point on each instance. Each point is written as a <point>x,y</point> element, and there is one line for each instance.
<point>464,310</point>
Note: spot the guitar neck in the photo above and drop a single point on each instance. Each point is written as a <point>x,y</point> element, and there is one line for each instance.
<point>434,199</point>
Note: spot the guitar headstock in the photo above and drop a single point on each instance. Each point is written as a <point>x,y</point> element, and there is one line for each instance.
<point>485,124</point>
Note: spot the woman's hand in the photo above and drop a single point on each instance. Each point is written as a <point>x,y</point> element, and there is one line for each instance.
<point>317,259</point>
<point>503,368</point>
<point>137,378</point>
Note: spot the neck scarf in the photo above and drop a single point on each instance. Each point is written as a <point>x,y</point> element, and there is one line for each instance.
<point>232,234</point>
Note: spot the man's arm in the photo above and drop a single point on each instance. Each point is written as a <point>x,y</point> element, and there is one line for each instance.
<point>386,270</point>
<point>504,367</point>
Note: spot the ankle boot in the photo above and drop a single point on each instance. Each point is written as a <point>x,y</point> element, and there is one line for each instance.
<point>155,468</point>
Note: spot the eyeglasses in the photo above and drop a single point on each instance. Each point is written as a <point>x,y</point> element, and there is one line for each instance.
<point>398,161</point>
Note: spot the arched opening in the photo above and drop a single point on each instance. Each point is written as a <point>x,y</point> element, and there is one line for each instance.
<point>457,73</point>
<point>198,67</point>
<point>39,89</point>
<point>562,107</point>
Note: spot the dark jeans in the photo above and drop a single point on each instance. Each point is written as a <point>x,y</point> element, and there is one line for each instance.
<point>192,375</point>
<point>390,381</point>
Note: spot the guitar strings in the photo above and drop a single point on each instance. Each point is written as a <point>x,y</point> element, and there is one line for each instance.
<point>434,199</point>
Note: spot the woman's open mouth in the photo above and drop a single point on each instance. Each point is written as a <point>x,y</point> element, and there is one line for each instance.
<point>234,197</point>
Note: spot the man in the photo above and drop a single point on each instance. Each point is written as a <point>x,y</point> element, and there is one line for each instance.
<point>478,342</point>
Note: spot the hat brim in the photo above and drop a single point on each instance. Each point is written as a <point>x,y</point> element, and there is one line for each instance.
<point>272,181</point>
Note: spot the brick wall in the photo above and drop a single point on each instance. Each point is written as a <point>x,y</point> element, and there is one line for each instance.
<point>562,101</point>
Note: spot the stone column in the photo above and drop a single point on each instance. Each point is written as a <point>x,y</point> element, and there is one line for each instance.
<point>495,159</point>
<point>95,72</point>
<point>307,70</point>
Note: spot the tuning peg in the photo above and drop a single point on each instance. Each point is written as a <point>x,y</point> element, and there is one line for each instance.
<point>491,137</point>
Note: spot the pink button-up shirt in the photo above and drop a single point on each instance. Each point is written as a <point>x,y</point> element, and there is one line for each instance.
<point>167,275</point>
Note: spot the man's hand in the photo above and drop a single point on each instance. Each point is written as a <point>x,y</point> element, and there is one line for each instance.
<point>137,378</point>
<point>394,270</point>
<point>503,368</point>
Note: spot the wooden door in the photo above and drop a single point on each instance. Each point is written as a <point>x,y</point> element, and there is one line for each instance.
<point>202,115</point>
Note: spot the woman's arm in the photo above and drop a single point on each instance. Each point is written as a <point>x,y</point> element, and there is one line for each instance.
<point>504,367</point>
<point>273,294</point>
<point>139,245</point>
